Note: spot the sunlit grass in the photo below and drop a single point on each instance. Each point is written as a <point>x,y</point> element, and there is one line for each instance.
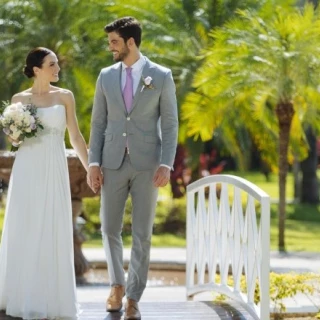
<point>300,236</point>
<point>302,231</point>
<point>302,223</point>
<point>270,187</point>
<point>163,240</point>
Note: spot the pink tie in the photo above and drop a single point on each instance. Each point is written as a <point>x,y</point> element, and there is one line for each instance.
<point>128,90</point>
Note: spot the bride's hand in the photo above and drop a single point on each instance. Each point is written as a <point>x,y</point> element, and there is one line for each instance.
<point>14,142</point>
<point>95,178</point>
<point>97,188</point>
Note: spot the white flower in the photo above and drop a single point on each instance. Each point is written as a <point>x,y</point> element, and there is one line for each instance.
<point>26,119</point>
<point>15,134</point>
<point>13,127</point>
<point>20,122</point>
<point>13,109</point>
<point>147,81</point>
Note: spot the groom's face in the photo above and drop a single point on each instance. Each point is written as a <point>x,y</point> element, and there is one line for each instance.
<point>117,46</point>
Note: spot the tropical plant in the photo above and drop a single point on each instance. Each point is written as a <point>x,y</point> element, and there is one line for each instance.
<point>262,72</point>
<point>174,33</point>
<point>72,29</point>
<point>282,286</point>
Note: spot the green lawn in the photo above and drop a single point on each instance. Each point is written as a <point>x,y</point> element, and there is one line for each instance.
<point>302,231</point>
<point>302,224</point>
<point>163,240</point>
<point>271,186</point>
<point>300,236</point>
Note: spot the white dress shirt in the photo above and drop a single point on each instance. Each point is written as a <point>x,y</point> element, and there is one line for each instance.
<point>137,68</point>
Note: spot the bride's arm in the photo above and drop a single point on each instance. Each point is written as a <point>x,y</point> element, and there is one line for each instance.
<point>77,141</point>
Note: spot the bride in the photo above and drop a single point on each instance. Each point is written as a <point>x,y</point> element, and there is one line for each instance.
<point>36,251</point>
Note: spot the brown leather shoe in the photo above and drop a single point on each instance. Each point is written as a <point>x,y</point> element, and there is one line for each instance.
<point>132,310</point>
<point>114,302</point>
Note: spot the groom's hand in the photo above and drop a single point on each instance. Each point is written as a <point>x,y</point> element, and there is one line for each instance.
<point>161,177</point>
<point>95,178</point>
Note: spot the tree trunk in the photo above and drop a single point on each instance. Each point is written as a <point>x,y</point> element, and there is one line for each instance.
<point>177,177</point>
<point>284,111</point>
<point>309,184</point>
<point>296,180</point>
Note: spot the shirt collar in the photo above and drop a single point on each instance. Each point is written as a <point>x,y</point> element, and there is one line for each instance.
<point>137,66</point>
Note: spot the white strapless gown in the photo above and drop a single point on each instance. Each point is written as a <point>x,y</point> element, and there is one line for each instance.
<point>37,277</point>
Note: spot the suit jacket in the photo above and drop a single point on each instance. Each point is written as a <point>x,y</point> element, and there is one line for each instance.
<point>150,128</point>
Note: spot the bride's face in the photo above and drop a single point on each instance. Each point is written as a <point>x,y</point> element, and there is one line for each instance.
<point>49,70</point>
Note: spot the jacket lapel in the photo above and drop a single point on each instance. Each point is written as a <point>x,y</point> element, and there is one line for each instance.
<point>116,84</point>
<point>148,71</point>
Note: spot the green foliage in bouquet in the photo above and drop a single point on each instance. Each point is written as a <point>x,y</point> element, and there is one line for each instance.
<point>19,121</point>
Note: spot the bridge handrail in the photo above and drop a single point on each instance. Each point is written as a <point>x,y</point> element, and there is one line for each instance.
<point>220,235</point>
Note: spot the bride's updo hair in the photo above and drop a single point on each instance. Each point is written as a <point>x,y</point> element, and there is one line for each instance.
<point>35,59</point>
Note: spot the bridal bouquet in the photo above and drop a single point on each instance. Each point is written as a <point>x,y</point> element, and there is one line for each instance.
<point>19,121</point>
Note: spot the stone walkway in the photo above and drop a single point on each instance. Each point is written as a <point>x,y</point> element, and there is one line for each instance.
<point>171,311</point>
<point>175,259</point>
<point>168,301</point>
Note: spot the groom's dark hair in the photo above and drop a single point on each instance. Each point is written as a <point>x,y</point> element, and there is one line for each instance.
<point>126,27</point>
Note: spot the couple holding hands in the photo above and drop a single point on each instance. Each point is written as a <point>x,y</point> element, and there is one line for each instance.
<point>132,147</point>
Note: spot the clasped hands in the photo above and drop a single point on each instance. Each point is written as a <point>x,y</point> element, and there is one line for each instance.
<point>95,177</point>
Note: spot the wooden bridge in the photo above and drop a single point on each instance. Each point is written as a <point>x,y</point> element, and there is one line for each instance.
<point>191,310</point>
<point>228,221</point>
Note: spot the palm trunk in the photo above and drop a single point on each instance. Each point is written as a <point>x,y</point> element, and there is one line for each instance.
<point>309,183</point>
<point>296,180</point>
<point>284,111</point>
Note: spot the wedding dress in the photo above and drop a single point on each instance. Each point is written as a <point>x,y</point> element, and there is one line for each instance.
<point>37,277</point>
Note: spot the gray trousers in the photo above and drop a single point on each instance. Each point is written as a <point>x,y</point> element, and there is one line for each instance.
<point>118,184</point>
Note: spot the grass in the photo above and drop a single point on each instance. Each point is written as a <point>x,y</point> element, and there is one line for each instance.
<point>300,236</point>
<point>302,231</point>
<point>303,220</point>
<point>302,224</point>
<point>163,240</point>
<point>270,187</point>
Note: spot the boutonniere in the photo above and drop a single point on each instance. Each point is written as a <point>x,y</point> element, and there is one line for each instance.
<point>147,83</point>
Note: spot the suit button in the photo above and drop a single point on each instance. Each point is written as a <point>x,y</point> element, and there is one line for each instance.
<point>124,134</point>
<point>128,119</point>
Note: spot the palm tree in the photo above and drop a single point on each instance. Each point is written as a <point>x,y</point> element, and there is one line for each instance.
<point>263,72</point>
<point>174,34</point>
<point>175,31</point>
<point>309,187</point>
<point>73,29</point>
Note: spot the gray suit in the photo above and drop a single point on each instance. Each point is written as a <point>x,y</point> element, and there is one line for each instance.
<point>150,131</point>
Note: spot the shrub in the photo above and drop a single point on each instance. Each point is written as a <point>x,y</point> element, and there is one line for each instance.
<point>282,286</point>
<point>170,216</point>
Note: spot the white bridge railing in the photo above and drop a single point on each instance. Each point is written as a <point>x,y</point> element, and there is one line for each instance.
<point>228,232</point>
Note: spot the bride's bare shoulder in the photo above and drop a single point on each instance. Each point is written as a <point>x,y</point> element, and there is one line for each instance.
<point>65,95</point>
<point>23,96</point>
<point>62,92</point>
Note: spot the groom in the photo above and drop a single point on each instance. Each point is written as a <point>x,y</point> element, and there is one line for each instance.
<point>132,147</point>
